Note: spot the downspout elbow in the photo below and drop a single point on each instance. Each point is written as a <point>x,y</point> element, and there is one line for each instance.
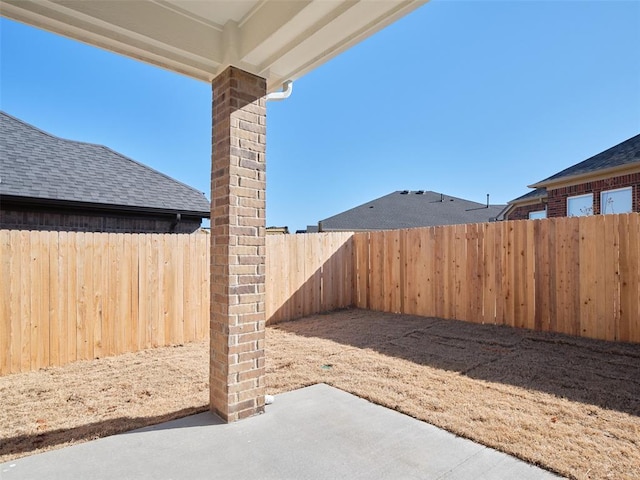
<point>287,88</point>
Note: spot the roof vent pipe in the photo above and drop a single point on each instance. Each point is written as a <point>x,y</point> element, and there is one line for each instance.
<point>487,200</point>
<point>287,88</point>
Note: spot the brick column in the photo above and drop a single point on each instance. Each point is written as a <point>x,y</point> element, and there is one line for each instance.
<point>238,183</point>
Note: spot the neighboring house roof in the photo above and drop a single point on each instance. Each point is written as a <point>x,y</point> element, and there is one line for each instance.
<point>409,209</point>
<point>38,167</point>
<point>277,230</point>
<point>530,197</point>
<point>617,157</point>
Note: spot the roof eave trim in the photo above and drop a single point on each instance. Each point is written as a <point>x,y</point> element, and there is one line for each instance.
<point>528,201</point>
<point>71,204</point>
<point>588,176</point>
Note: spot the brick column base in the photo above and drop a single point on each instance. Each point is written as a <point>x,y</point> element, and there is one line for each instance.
<point>237,245</point>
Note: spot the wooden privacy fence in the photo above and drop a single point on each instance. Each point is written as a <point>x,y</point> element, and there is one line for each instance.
<point>67,296</point>
<point>570,275</point>
<point>308,274</point>
<point>75,296</point>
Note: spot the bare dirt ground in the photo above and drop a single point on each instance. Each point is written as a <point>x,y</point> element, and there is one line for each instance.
<point>567,404</point>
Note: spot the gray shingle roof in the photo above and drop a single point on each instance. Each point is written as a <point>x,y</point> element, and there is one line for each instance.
<point>37,165</point>
<point>410,210</point>
<point>537,193</point>
<point>624,153</point>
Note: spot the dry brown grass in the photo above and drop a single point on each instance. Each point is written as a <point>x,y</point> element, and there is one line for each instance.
<point>567,404</point>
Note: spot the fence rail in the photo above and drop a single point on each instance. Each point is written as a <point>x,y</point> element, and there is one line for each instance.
<point>73,296</point>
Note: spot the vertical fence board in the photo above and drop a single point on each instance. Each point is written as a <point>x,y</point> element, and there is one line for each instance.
<point>108,322</point>
<point>518,274</point>
<point>178,276</point>
<point>297,273</point>
<point>413,275</point>
<point>25,301</point>
<point>457,261</point>
<point>391,280</point>
<point>572,290</point>
<point>187,292</point>
<point>313,271</point>
<point>565,250</point>
<point>71,274</point>
<point>204,297</point>
<point>506,264</point>
<point>5,306</point>
<point>169,289</point>
<point>16,294</point>
<point>349,251</point>
<point>633,298</point>
<point>158,266</point>
<point>597,247</point>
<point>55,303</point>
<point>488,257</point>
<point>588,270</point>
<point>541,278</point>
<point>100,297</point>
<point>375,268</point>
<point>134,255</point>
<point>629,267</point>
<point>427,264</point>
<point>361,273</point>
<point>609,311</point>
<point>476,287</point>
<point>79,295</point>
<point>439,269</point>
<point>39,304</point>
<point>143,339</point>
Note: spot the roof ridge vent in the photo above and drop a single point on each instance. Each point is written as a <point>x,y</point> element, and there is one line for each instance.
<point>419,192</point>
<point>404,192</point>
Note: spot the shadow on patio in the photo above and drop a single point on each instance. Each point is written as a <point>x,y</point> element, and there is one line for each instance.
<point>27,443</point>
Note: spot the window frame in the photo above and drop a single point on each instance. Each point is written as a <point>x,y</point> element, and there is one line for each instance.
<point>604,192</point>
<point>539,212</point>
<point>584,195</point>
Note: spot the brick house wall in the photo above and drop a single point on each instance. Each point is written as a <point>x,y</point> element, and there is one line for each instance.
<point>557,198</point>
<point>77,221</point>
<point>522,212</point>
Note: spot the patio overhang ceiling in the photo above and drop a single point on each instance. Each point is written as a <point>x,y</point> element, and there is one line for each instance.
<point>275,39</point>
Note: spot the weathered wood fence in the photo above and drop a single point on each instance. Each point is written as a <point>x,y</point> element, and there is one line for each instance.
<point>73,296</point>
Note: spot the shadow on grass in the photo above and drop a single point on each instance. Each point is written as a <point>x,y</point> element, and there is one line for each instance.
<point>23,444</point>
<point>605,374</point>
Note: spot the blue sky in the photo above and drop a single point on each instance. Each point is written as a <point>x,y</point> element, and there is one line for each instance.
<point>460,97</point>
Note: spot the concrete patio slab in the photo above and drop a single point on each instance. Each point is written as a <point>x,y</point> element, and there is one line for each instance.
<point>313,433</point>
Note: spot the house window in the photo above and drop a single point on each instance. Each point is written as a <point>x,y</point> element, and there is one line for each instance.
<point>580,205</point>
<point>538,214</point>
<point>616,201</point>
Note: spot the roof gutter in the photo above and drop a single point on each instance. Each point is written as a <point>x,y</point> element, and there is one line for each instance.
<point>585,177</point>
<point>14,200</point>
<point>287,88</point>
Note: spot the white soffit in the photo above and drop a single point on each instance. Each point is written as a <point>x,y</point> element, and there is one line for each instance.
<point>277,39</point>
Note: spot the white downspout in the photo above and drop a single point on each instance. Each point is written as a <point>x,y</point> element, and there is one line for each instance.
<point>287,88</point>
